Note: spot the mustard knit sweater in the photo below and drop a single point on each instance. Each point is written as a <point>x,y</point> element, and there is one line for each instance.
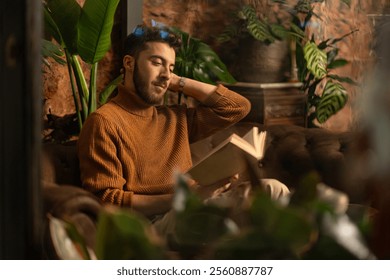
<point>128,147</point>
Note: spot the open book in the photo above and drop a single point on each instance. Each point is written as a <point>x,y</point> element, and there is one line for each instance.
<point>230,157</point>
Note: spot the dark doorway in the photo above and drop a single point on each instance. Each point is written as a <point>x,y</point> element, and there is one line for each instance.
<point>20,126</point>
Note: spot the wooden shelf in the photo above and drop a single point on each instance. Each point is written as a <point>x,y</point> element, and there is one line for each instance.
<point>274,103</point>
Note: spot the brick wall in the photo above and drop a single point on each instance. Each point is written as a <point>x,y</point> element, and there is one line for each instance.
<point>205,19</point>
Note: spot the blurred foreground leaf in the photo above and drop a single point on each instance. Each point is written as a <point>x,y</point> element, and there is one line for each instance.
<point>124,235</point>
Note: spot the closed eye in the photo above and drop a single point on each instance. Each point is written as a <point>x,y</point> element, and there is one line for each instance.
<point>157,63</point>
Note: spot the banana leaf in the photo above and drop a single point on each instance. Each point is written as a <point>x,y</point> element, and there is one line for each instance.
<point>105,94</point>
<point>94,29</point>
<point>82,32</point>
<point>49,49</point>
<point>65,14</point>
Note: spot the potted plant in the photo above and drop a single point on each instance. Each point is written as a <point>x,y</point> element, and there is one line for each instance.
<point>311,62</point>
<point>263,46</point>
<point>83,35</point>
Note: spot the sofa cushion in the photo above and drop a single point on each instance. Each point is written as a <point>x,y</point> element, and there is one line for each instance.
<point>60,164</point>
<point>292,152</point>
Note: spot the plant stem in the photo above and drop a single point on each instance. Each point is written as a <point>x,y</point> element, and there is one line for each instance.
<point>92,89</point>
<point>74,92</point>
<point>82,86</point>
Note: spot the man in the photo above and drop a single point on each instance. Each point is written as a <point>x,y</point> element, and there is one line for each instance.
<point>130,148</point>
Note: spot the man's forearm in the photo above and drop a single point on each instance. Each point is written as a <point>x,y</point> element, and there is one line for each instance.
<point>193,88</point>
<point>150,205</point>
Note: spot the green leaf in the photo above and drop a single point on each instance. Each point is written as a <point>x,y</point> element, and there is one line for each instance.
<point>333,99</point>
<point>279,31</point>
<point>231,31</point>
<point>337,63</point>
<point>68,243</point>
<point>82,86</point>
<point>197,60</point>
<point>94,28</point>
<point>196,223</point>
<point>286,227</point>
<point>51,26</point>
<point>123,235</point>
<point>343,79</point>
<point>297,32</point>
<point>105,94</point>
<point>49,49</point>
<point>92,103</point>
<point>316,60</point>
<point>65,14</point>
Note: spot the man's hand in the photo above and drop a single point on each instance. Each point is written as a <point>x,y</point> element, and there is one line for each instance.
<point>210,190</point>
<point>174,82</point>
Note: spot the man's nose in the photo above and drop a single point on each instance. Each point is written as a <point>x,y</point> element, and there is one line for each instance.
<point>165,73</point>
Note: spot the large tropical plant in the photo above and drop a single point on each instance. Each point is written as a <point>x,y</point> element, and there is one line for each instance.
<point>83,33</point>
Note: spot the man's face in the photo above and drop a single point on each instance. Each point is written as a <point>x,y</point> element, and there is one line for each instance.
<point>152,72</point>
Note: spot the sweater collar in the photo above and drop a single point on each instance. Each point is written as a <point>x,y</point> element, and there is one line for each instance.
<point>132,103</point>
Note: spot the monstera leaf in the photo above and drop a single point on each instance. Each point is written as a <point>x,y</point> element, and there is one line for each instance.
<point>197,60</point>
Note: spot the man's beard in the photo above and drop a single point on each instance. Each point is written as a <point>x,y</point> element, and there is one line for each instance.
<point>141,87</point>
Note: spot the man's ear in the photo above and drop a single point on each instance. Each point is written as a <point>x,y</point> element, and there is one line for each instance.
<point>128,62</point>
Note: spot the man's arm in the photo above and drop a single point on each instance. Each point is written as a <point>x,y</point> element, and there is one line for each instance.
<point>196,89</point>
<point>219,107</point>
<point>151,205</point>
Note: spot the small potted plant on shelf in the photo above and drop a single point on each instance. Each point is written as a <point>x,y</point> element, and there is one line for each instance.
<point>262,45</point>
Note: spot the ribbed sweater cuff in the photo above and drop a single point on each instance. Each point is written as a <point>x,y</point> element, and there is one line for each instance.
<point>127,199</point>
<point>215,96</point>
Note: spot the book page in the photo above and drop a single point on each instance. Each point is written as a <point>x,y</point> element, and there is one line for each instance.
<point>257,140</point>
<point>260,144</point>
<point>223,163</point>
<point>251,135</point>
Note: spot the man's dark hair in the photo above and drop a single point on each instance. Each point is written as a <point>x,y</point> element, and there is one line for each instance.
<point>136,41</point>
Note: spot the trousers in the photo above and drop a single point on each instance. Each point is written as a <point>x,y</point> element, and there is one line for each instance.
<point>234,196</point>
